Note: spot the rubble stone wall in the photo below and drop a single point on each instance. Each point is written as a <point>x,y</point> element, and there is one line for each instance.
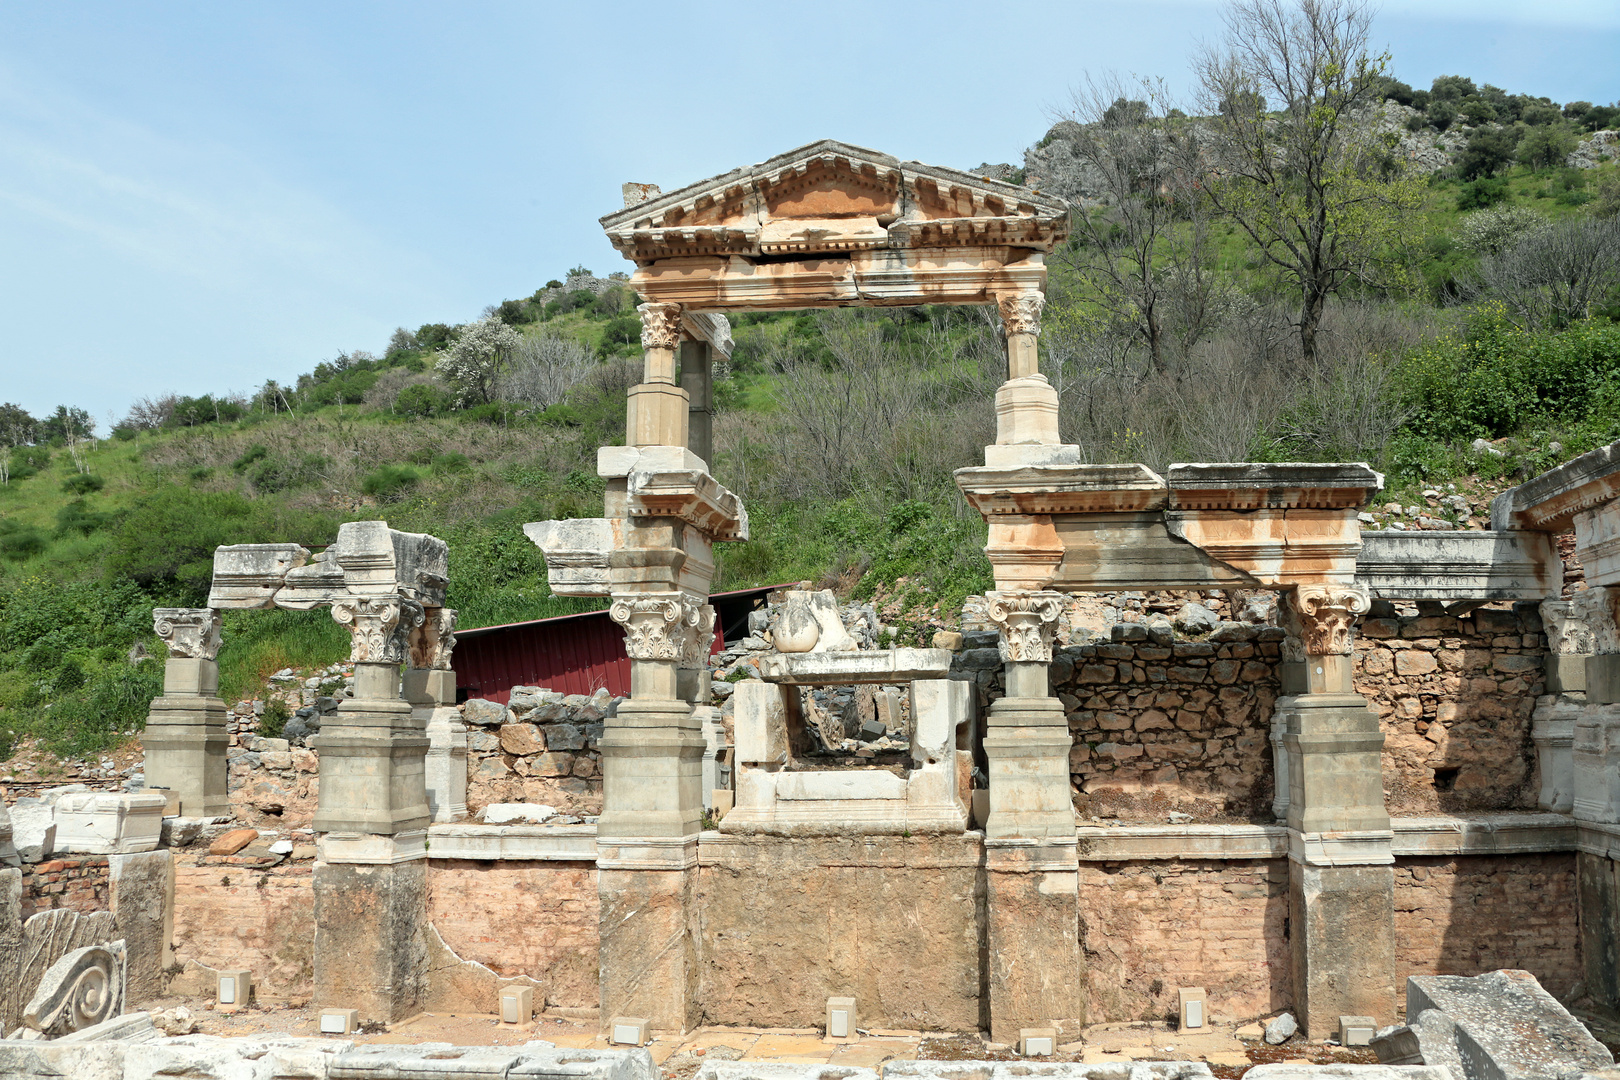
<point>522,918</point>
<point>76,882</point>
<point>1149,927</point>
<point>894,922</point>
<point>1465,915</point>
<point>237,916</point>
<point>1454,697</point>
<point>538,748</point>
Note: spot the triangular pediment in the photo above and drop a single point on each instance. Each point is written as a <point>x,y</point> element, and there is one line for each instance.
<point>830,197</point>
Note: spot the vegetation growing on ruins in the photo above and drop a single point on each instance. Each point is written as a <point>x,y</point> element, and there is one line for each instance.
<point>1459,322</point>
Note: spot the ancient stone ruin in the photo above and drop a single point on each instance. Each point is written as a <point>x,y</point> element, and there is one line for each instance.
<point>1420,733</point>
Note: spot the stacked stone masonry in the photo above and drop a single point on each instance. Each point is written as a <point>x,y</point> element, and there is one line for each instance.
<point>78,883</point>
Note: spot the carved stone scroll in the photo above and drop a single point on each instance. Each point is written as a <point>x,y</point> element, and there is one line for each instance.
<point>379,627</point>
<point>658,626</point>
<point>434,641</point>
<point>84,987</point>
<point>1327,614</point>
<point>1021,314</point>
<point>190,633</point>
<point>1028,623</point>
<point>660,325</point>
<point>699,636</point>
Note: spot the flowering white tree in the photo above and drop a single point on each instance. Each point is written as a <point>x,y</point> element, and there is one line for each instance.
<point>476,356</point>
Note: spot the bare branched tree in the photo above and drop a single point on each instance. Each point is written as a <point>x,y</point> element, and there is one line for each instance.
<point>1312,184</point>
<point>1140,255</point>
<point>541,370</point>
<point>1551,276</point>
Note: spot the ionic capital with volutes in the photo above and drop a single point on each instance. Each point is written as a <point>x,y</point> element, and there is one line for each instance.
<point>379,626</point>
<point>1326,615</point>
<point>1028,623</point>
<point>189,633</point>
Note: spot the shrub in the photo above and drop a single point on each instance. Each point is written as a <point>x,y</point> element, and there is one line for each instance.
<point>281,474</point>
<point>1481,193</point>
<point>433,335</point>
<point>1545,147</point>
<point>449,463</point>
<point>390,482</point>
<point>75,517</point>
<point>1489,231</point>
<point>422,399</point>
<point>256,452</point>
<point>274,720</point>
<point>22,544</point>
<point>1489,151</point>
<point>83,484</point>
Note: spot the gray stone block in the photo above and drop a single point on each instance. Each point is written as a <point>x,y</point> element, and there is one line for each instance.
<point>1506,1026</point>
<point>1044,1070</point>
<point>780,1070</point>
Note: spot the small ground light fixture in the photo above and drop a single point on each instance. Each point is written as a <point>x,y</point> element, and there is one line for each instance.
<point>339,1021</point>
<point>841,1018</point>
<point>1037,1042</point>
<point>1357,1030</point>
<point>629,1031</point>
<point>235,990</point>
<point>1194,1008</point>
<point>517,1004</point>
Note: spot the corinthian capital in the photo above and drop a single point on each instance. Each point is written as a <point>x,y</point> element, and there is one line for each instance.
<point>1028,623</point>
<point>190,633</point>
<point>657,626</point>
<point>379,626</point>
<point>699,620</point>
<point>433,642</point>
<point>660,325</point>
<point>1326,613</point>
<point>1021,314</point>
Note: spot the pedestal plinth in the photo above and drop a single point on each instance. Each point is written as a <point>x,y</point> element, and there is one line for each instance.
<point>185,738</point>
<point>1036,973</point>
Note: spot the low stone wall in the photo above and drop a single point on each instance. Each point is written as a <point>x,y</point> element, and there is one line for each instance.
<point>231,913</point>
<point>538,748</point>
<point>534,919</point>
<point>894,922</point>
<point>1465,915</point>
<point>1150,927</point>
<point>75,882</point>
<point>1454,696</point>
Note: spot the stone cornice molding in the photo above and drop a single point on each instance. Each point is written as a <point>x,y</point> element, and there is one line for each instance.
<point>1021,313</point>
<point>657,626</point>
<point>189,633</point>
<point>660,325</point>
<point>1027,622</point>
<point>1326,614</point>
<point>379,626</point>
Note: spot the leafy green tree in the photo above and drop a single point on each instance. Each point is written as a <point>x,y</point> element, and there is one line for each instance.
<point>1311,185</point>
<point>476,357</point>
<point>17,428</point>
<point>1545,147</point>
<point>1489,150</point>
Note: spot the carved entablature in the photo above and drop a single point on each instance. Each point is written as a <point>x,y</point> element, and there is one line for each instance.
<point>379,626</point>
<point>1326,616</point>
<point>660,325</point>
<point>658,626</point>
<point>1028,623</point>
<point>1021,314</point>
<point>190,633</point>
<point>433,642</point>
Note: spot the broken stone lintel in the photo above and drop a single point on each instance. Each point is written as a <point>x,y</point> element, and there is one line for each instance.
<point>1459,565</point>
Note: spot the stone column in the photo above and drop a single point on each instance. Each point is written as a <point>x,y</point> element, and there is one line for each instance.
<point>697,379</point>
<point>1036,974</point>
<point>430,687</point>
<point>371,877</point>
<point>1341,869</point>
<point>1026,404</point>
<point>657,409</point>
<point>652,807</point>
<point>185,738</point>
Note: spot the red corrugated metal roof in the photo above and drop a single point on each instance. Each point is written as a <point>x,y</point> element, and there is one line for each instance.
<point>572,654</point>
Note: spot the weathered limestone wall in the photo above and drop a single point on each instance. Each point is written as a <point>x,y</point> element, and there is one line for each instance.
<point>894,922</point>
<point>235,916</point>
<point>1465,915</point>
<point>1454,696</point>
<point>539,748</point>
<point>76,882</point>
<point>1149,927</point>
<point>535,919</point>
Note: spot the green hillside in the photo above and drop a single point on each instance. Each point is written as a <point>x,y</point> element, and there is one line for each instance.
<point>839,429</point>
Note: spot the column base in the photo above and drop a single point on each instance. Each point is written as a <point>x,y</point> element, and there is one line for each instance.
<point>371,938</point>
<point>1036,971</point>
<point>652,771</point>
<point>1027,749</point>
<point>185,745</point>
<point>647,950</point>
<point>1335,765</point>
<point>1342,925</point>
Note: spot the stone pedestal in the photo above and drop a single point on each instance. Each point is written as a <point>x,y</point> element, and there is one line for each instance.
<point>1026,741</point>
<point>1552,729</point>
<point>432,696</point>
<point>1595,763</point>
<point>650,931</point>
<point>1335,766</point>
<point>372,751</point>
<point>1036,968</point>
<point>185,738</point>
<point>1342,938</point>
<point>371,938</point>
<point>652,771</point>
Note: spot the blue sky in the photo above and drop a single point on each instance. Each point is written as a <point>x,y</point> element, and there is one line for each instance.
<point>198,197</point>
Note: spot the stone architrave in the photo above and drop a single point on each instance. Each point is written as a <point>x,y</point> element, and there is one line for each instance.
<point>185,738</point>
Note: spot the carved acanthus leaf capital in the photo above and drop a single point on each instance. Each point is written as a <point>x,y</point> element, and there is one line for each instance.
<point>190,633</point>
<point>1326,614</point>
<point>433,642</point>
<point>699,639</point>
<point>1028,622</point>
<point>657,626</point>
<point>379,626</point>
<point>660,325</point>
<point>1021,314</point>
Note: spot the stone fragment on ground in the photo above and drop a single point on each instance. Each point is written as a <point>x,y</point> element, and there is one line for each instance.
<point>1281,1029</point>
